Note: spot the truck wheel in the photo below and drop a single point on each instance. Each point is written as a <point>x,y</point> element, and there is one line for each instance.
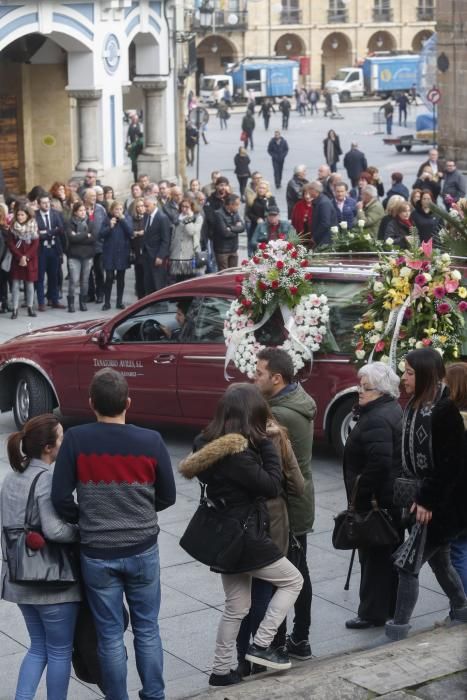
<point>399,149</point>
<point>408,148</point>
<point>345,96</point>
<point>33,396</point>
<point>342,422</point>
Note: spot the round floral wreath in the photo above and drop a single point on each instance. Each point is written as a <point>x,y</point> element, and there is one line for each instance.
<point>277,276</point>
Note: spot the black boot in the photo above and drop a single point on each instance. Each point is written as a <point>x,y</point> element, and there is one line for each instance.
<point>71,304</point>
<point>31,312</point>
<point>82,303</point>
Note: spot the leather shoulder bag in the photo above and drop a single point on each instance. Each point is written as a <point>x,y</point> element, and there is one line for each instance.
<point>354,529</point>
<point>50,564</point>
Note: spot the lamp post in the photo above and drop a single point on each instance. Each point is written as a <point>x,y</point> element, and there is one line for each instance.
<point>207,15</point>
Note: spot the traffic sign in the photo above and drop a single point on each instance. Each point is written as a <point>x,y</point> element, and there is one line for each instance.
<point>199,115</point>
<point>433,95</point>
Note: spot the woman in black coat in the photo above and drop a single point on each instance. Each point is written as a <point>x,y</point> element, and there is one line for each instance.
<point>427,181</point>
<point>242,170</point>
<point>399,226</point>
<point>373,453</point>
<point>240,467</point>
<point>332,149</point>
<point>432,459</point>
<point>427,223</point>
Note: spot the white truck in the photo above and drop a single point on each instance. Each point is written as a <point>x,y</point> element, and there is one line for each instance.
<point>212,88</point>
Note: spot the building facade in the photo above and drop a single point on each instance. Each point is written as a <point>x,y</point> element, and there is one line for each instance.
<point>68,71</point>
<point>325,34</point>
<point>452,68</point>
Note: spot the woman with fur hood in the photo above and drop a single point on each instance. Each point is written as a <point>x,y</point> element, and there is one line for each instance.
<point>241,468</point>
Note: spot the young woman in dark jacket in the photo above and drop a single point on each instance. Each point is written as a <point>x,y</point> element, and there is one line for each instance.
<point>432,458</point>
<point>256,212</point>
<point>241,468</point>
<point>373,453</point>
<point>116,233</point>
<point>427,223</point>
<point>332,149</point>
<point>242,170</point>
<point>80,249</point>
<point>137,212</point>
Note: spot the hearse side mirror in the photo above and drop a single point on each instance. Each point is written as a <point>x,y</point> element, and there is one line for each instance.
<point>101,338</point>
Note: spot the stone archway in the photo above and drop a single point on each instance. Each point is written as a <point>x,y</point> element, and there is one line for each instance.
<point>36,113</point>
<point>381,41</point>
<point>420,39</point>
<point>290,45</point>
<point>214,52</point>
<point>336,53</point>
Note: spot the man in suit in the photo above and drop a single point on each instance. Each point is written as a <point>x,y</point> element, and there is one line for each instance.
<point>433,162</point>
<point>51,232</point>
<point>323,215</point>
<point>355,163</point>
<point>156,246</point>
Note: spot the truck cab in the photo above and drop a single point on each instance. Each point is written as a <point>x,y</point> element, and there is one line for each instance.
<point>212,88</point>
<point>348,83</point>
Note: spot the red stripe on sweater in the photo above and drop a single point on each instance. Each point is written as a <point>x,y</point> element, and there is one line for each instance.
<point>117,469</point>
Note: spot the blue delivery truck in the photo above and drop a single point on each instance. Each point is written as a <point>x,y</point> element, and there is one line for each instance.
<point>380,75</point>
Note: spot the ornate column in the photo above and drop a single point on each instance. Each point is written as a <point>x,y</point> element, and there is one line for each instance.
<point>90,142</point>
<point>154,159</point>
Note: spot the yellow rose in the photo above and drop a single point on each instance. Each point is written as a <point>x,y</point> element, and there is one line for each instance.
<point>368,326</point>
<point>462,292</point>
<point>387,305</point>
<point>442,339</point>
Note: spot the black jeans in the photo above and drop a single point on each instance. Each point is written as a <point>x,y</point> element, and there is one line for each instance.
<point>96,278</point>
<point>278,166</point>
<point>285,120</point>
<point>242,181</point>
<point>439,559</point>
<point>378,585</point>
<point>261,594</point>
<point>109,278</point>
<point>302,608</point>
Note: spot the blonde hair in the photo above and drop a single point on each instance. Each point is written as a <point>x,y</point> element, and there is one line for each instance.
<point>393,202</point>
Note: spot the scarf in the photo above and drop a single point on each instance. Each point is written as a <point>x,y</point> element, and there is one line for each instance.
<point>80,224</point>
<point>25,233</point>
<point>417,451</point>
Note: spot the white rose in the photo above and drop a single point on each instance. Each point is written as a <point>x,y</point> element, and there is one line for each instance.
<point>401,366</point>
<point>334,229</point>
<point>378,325</point>
<point>456,275</point>
<point>419,344</point>
<point>344,225</point>
<point>405,272</point>
<point>378,287</point>
<point>427,276</point>
<point>389,241</point>
<point>385,359</point>
<point>360,354</point>
<point>351,235</point>
<point>375,338</point>
<point>411,341</point>
<point>361,223</point>
<point>367,236</point>
<point>446,258</point>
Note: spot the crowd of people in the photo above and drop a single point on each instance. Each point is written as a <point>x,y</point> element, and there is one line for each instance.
<point>254,465</point>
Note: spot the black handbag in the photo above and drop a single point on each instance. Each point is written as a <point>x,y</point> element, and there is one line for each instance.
<point>213,537</point>
<point>53,564</point>
<point>404,492</point>
<point>200,258</point>
<point>354,529</point>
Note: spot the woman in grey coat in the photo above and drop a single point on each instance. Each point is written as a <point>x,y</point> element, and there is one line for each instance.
<point>49,613</point>
<point>185,242</point>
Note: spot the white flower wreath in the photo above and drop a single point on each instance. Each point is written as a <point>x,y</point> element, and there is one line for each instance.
<point>276,277</point>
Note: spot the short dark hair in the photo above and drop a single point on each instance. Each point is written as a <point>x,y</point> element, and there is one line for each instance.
<point>222,181</point>
<point>279,362</point>
<point>231,199</point>
<point>429,371</point>
<point>397,177</point>
<point>108,392</point>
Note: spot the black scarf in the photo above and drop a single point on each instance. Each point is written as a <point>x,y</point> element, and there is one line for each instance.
<point>417,451</point>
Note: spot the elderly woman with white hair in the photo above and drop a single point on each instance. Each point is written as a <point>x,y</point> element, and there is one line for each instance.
<point>373,452</point>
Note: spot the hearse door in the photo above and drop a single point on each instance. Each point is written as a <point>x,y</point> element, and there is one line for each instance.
<point>201,380</point>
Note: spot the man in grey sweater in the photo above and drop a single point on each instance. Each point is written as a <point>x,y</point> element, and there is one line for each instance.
<point>454,185</point>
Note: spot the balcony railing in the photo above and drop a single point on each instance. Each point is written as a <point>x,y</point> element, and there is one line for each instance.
<point>221,21</point>
<point>382,15</point>
<point>338,16</point>
<point>425,14</point>
<point>291,15</point>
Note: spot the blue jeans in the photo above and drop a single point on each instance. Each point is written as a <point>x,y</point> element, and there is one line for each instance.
<point>459,558</point>
<point>49,264</point>
<point>51,629</point>
<point>106,581</point>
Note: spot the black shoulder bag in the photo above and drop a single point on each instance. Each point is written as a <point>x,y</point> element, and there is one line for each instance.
<point>52,564</point>
<point>354,529</point>
<point>214,537</point>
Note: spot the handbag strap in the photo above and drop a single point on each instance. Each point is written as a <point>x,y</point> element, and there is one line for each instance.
<point>30,501</point>
<point>353,497</point>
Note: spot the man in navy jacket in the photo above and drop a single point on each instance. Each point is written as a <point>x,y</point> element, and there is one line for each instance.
<point>323,215</point>
<point>345,206</point>
<point>51,234</point>
<point>156,246</point>
<point>278,149</point>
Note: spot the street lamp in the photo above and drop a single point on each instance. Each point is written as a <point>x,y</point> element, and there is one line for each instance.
<point>334,44</point>
<point>379,41</point>
<point>288,45</point>
<point>206,14</point>
<point>214,47</point>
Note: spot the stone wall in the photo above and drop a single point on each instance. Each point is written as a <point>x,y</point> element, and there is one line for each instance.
<point>452,27</point>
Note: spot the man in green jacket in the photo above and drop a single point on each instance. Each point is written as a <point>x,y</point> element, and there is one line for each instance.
<point>293,408</point>
<point>370,210</point>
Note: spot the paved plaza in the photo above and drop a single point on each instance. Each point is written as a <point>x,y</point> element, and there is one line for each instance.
<point>192,597</point>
